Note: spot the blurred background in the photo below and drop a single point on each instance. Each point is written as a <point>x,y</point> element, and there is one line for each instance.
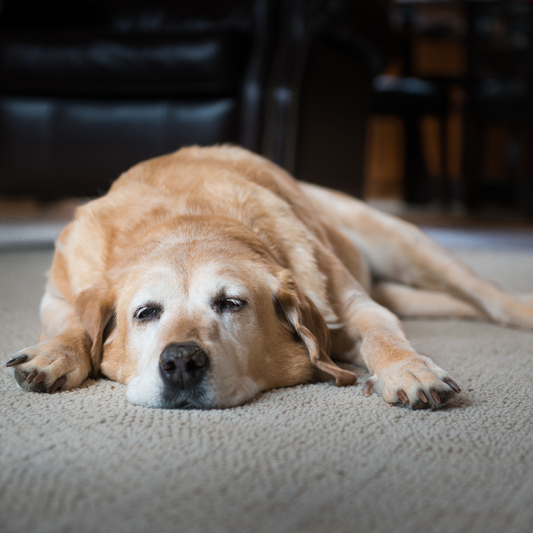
<point>423,108</point>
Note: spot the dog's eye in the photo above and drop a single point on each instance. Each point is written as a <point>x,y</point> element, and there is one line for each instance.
<point>224,305</point>
<point>148,312</point>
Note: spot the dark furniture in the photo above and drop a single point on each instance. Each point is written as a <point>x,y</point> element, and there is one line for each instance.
<point>319,96</point>
<point>88,89</point>
<point>411,98</point>
<point>499,85</point>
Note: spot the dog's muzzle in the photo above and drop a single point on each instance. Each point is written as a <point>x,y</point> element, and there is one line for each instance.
<point>183,365</point>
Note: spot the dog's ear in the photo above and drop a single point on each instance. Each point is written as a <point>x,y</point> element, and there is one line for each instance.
<point>95,309</point>
<point>300,315</point>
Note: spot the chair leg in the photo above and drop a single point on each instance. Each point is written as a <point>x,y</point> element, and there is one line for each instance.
<point>417,188</point>
<point>445,189</point>
<point>512,157</point>
<point>528,178</point>
<point>471,172</point>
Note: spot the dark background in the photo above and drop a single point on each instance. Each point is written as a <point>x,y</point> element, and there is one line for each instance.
<point>425,102</point>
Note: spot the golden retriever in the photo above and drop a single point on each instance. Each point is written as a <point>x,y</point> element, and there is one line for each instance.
<point>209,275</point>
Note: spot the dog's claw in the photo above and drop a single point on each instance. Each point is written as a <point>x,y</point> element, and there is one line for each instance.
<point>58,383</point>
<point>41,376</point>
<point>17,360</point>
<point>452,384</point>
<point>435,396</point>
<point>403,397</point>
<point>31,376</point>
<point>368,386</point>
<point>422,396</point>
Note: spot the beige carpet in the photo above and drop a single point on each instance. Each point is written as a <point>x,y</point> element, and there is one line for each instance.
<point>308,459</point>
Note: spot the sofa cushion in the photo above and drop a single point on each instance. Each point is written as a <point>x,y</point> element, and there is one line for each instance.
<point>59,146</point>
<point>110,64</point>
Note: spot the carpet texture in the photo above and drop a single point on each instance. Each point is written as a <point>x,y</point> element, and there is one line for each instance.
<point>307,459</point>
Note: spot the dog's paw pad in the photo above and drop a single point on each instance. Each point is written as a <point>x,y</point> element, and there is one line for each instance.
<point>26,380</point>
<point>35,381</point>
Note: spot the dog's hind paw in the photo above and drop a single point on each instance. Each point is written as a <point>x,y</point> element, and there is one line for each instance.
<point>416,382</point>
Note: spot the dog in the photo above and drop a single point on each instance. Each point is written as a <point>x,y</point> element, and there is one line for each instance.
<point>209,275</point>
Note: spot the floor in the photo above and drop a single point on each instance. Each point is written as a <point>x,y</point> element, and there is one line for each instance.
<point>308,459</point>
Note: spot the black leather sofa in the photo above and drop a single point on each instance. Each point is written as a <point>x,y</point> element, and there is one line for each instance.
<point>88,89</point>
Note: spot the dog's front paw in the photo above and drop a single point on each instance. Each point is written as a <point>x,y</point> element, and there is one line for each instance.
<point>47,367</point>
<point>416,382</point>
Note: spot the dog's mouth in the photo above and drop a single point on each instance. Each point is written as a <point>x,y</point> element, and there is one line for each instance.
<point>197,398</point>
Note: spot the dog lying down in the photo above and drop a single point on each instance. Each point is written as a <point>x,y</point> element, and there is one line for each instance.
<point>209,275</point>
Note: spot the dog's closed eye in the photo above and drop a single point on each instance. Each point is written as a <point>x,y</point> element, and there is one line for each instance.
<point>227,304</point>
<point>148,311</point>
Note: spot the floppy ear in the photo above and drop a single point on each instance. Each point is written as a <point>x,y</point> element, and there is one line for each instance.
<point>95,307</point>
<point>300,315</point>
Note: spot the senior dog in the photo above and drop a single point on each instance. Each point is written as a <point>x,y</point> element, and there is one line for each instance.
<point>209,275</point>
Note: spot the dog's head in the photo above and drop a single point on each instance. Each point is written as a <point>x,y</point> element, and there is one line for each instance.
<point>204,316</point>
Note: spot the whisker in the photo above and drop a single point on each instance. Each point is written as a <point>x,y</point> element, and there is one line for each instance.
<point>245,387</point>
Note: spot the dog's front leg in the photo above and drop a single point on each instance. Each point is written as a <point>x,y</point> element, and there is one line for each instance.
<point>62,359</point>
<point>400,375</point>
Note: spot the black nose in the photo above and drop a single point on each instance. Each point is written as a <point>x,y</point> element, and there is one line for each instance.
<point>183,365</point>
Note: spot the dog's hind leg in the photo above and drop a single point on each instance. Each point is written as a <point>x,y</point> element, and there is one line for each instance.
<point>398,251</point>
<point>408,302</point>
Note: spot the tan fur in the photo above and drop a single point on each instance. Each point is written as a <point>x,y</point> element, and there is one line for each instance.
<point>179,228</point>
